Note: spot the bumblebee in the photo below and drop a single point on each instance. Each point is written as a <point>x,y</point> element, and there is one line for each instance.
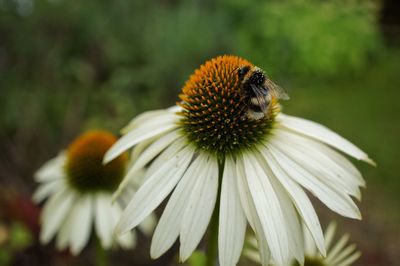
<point>258,91</point>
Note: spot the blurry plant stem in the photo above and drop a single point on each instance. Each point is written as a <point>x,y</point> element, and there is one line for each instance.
<point>212,248</point>
<point>101,254</point>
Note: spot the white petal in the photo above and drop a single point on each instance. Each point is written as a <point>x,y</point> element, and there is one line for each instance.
<point>300,200</point>
<point>54,213</point>
<point>232,220</point>
<point>148,224</point>
<point>82,214</point>
<point>323,134</point>
<point>343,162</point>
<point>52,170</point>
<point>335,200</point>
<point>142,118</point>
<point>166,155</point>
<point>168,228</point>
<point>146,116</point>
<point>293,225</point>
<point>103,222</point>
<point>63,237</point>
<point>310,155</point>
<point>139,148</point>
<point>147,130</point>
<point>128,240</point>
<point>268,209</point>
<point>152,151</point>
<point>46,189</point>
<point>124,195</point>
<point>309,243</point>
<point>251,212</point>
<point>199,208</point>
<point>154,190</point>
<point>155,148</point>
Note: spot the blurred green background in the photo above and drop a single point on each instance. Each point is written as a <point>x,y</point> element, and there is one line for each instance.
<point>70,66</point>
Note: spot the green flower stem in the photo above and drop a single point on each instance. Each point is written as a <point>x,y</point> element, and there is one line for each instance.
<point>212,248</point>
<point>101,254</point>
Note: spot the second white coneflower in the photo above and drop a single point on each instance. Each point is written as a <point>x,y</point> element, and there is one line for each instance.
<point>220,143</point>
<point>79,190</point>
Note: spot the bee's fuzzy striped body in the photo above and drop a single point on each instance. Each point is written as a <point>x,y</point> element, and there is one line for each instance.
<point>259,91</point>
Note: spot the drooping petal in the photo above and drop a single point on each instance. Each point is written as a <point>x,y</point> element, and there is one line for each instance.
<point>232,220</point>
<point>351,171</point>
<point>165,155</point>
<point>51,170</point>
<point>323,134</point>
<point>199,208</point>
<point>64,234</point>
<point>291,219</point>
<point>54,213</point>
<point>46,189</point>
<point>146,116</point>
<point>153,150</point>
<point>311,156</point>
<point>334,199</point>
<point>82,215</point>
<point>151,128</point>
<point>169,225</point>
<point>142,118</point>
<point>127,240</point>
<point>251,212</point>
<point>268,209</point>
<point>103,222</point>
<point>145,157</point>
<point>154,190</point>
<point>299,199</point>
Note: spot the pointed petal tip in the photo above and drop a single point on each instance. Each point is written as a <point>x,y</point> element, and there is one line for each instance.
<point>358,216</point>
<point>108,157</point>
<point>370,161</point>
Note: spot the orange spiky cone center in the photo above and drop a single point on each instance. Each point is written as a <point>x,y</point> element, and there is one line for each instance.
<point>214,108</point>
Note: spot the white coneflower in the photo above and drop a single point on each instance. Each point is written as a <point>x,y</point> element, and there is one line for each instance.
<point>207,148</point>
<point>338,254</point>
<point>79,190</point>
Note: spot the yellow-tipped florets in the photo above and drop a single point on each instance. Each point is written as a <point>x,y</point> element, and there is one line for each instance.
<point>214,108</point>
<point>84,167</point>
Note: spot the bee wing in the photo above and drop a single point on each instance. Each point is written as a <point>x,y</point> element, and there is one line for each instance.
<point>260,96</point>
<point>276,90</point>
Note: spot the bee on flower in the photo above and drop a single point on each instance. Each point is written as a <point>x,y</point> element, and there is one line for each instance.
<point>78,189</point>
<point>226,149</point>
